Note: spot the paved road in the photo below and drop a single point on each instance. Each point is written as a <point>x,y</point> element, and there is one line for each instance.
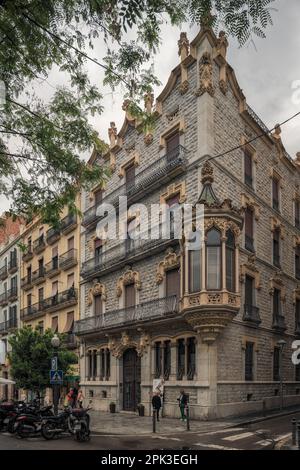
<point>263,436</point>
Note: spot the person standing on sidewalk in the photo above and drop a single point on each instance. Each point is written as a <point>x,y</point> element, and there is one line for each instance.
<point>182,401</point>
<point>156,403</point>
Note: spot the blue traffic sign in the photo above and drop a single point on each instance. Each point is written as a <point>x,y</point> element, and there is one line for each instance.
<point>54,363</point>
<point>56,377</point>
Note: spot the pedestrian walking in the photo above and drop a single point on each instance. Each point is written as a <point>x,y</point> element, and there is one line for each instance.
<point>182,401</point>
<point>80,398</point>
<point>69,398</point>
<point>74,397</point>
<point>156,403</point>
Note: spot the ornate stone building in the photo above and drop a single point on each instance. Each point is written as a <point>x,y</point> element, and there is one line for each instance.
<point>206,321</point>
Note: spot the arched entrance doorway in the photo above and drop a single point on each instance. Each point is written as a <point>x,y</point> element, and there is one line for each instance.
<point>131,380</point>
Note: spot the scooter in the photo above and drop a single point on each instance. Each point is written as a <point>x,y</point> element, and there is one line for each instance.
<point>29,424</point>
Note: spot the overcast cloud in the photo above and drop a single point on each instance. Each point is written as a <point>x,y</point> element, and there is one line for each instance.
<point>265,73</point>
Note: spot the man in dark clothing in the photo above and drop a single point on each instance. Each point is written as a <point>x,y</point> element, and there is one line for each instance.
<point>156,403</point>
<point>183,401</point>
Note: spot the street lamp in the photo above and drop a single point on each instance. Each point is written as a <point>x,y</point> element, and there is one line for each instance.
<point>281,343</point>
<point>55,343</point>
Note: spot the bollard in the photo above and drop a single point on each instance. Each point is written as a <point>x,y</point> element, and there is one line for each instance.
<point>298,432</point>
<point>187,418</point>
<point>154,420</point>
<point>294,431</point>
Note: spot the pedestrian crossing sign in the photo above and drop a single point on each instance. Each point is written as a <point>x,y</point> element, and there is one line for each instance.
<point>56,377</point>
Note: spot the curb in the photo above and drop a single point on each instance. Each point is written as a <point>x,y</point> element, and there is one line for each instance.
<point>265,418</point>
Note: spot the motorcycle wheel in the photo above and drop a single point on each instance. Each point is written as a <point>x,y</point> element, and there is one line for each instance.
<point>23,432</point>
<point>48,431</point>
<point>11,427</point>
<point>83,435</point>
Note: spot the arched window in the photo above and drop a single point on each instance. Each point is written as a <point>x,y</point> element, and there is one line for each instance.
<point>230,261</point>
<point>213,260</point>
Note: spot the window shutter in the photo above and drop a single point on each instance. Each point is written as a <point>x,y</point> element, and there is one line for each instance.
<point>173,283</point>
<point>172,143</point>
<point>98,305</point>
<point>130,175</point>
<point>54,326</point>
<point>70,243</point>
<point>129,296</point>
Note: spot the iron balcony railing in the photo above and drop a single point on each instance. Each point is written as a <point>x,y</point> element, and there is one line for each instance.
<point>13,265</point>
<point>52,235</point>
<point>276,260</point>
<point>52,267</point>
<point>3,273</point>
<point>70,340</point>
<point>68,259</point>
<point>143,181</point>
<point>39,244</point>
<point>151,310</point>
<point>68,223</point>
<point>279,322</point>
<point>26,282</point>
<point>3,298</point>
<point>12,293</point>
<point>249,243</point>
<point>28,253</point>
<point>9,324</point>
<point>55,302</point>
<point>121,252</point>
<point>38,275</point>
<point>251,314</point>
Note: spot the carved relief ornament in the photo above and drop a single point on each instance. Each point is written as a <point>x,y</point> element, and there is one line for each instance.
<point>170,261</point>
<point>97,289</point>
<point>251,269</point>
<point>119,346</point>
<point>221,224</point>
<point>129,277</point>
<point>205,75</point>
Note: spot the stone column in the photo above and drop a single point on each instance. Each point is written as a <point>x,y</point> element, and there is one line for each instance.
<point>237,268</point>
<point>206,366</point>
<point>173,373</point>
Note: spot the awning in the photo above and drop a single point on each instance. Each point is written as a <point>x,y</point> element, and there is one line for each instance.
<point>70,322</point>
<point>6,381</point>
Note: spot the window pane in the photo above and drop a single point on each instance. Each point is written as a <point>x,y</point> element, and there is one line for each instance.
<point>129,296</point>
<point>173,283</point>
<point>249,361</point>
<point>194,270</point>
<point>249,291</point>
<point>213,267</point>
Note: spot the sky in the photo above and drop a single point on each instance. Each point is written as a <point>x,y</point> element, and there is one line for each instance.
<point>266,71</point>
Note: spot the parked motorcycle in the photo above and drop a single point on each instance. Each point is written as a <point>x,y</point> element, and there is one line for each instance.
<point>29,423</point>
<point>81,422</point>
<point>6,408</point>
<point>76,421</point>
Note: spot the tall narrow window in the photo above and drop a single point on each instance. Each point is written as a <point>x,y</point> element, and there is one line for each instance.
<point>297,213</point>
<point>213,260</point>
<point>55,257</point>
<point>172,146</point>
<point>275,193</point>
<point>249,360</point>
<point>276,305</point>
<point>191,358</point>
<point>98,197</point>
<point>248,168</point>
<point>98,247</point>
<point>276,364</point>
<point>173,283</point>
<point>180,359</point>
<point>276,247</point>
<point>97,305</point>
<point>230,261</point>
<point>297,262</point>
<point>70,243</point>
<point>158,357</point>
<point>249,296</point>
<point>95,356</point>
<point>41,298</point>
<point>167,359</point>
<point>41,267</point>
<point>129,296</point>
<point>54,324</point>
<point>249,232</point>
<point>172,203</point>
<point>194,270</point>
<point>29,270</point>
<point>130,176</point>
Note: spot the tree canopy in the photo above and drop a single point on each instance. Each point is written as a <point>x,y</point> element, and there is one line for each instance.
<point>31,355</point>
<point>42,142</point>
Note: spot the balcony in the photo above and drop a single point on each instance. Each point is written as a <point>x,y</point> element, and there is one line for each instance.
<point>52,268</point>
<point>251,314</point>
<point>279,323</point>
<point>3,298</point>
<point>13,265</point>
<point>119,255</point>
<point>68,223</point>
<point>3,273</point>
<point>161,171</point>
<point>28,254</point>
<point>39,245</point>
<point>276,261</point>
<point>68,260</point>
<point>153,310</point>
<point>8,325</point>
<point>38,276</point>
<point>70,340</point>
<point>56,302</point>
<point>249,243</point>
<point>12,294</point>
<point>52,235</point>
<point>26,282</point>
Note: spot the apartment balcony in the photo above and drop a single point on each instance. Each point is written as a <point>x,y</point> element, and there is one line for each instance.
<point>279,323</point>
<point>26,282</point>
<point>12,294</point>
<point>276,261</point>
<point>68,260</point>
<point>52,268</point>
<point>70,340</point>
<point>52,235</point>
<point>56,302</point>
<point>153,310</point>
<point>119,255</point>
<point>161,171</point>
<point>251,314</point>
<point>249,244</point>
<point>13,266</point>
<point>68,223</point>
<point>8,325</point>
<point>39,245</point>
<point>38,276</point>
<point>28,254</point>
<point>3,299</point>
<point>3,273</point>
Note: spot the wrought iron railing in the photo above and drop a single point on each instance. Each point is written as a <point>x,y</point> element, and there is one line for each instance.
<point>51,303</point>
<point>52,235</point>
<point>13,264</point>
<point>251,314</point>
<point>12,293</point>
<point>68,259</point>
<point>39,244</point>
<point>3,298</point>
<point>151,310</point>
<point>68,222</point>
<point>147,178</point>
<point>28,253</point>
<point>3,272</point>
<point>38,275</point>
<point>279,322</point>
<point>249,243</point>
<point>12,322</point>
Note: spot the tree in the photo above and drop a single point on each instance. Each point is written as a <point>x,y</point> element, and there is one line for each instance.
<point>42,142</point>
<point>30,358</point>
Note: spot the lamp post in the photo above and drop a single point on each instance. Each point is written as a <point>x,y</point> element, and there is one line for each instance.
<point>55,343</point>
<point>281,343</point>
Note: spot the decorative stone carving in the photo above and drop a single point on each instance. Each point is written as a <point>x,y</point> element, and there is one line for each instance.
<point>223,86</point>
<point>222,44</point>
<point>97,289</point>
<point>112,134</point>
<point>170,261</point>
<point>119,346</point>
<point>249,202</point>
<point>250,268</point>
<point>209,325</point>
<point>184,86</point>
<point>129,277</point>
<point>148,100</point>
<point>277,225</point>
<point>183,46</point>
<point>205,76</point>
<point>297,161</point>
<point>172,190</point>
<point>276,282</point>
<point>148,139</point>
<point>222,224</point>
<point>125,107</point>
<point>296,294</point>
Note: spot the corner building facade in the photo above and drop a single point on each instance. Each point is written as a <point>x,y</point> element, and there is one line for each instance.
<point>206,321</point>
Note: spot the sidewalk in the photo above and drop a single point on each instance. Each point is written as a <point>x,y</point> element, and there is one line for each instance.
<point>130,424</point>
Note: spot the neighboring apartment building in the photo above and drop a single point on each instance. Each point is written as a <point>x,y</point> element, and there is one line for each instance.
<point>50,276</point>
<point>9,294</point>
<point>206,321</point>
